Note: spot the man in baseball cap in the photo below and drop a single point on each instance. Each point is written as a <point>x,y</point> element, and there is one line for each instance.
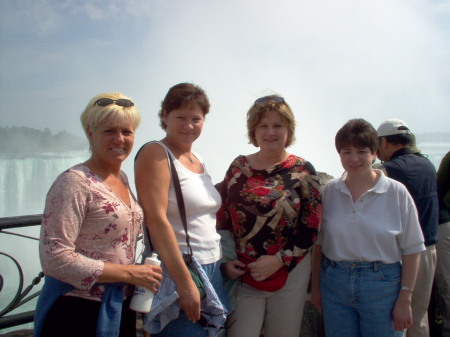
<point>403,162</point>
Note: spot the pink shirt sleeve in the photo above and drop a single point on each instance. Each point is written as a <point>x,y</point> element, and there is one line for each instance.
<point>66,206</point>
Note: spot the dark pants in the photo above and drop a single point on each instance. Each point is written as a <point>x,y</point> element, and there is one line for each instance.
<point>75,317</point>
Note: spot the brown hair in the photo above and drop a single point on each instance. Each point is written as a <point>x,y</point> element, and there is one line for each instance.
<point>258,111</point>
<point>183,94</point>
<point>357,132</point>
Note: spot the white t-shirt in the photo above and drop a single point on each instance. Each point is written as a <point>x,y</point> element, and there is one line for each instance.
<point>382,225</point>
<point>202,201</point>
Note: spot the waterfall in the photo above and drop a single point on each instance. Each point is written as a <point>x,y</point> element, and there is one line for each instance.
<point>26,178</point>
<point>24,182</point>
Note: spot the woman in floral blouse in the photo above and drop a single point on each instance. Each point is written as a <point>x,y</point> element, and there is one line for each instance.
<point>89,232</point>
<point>272,208</point>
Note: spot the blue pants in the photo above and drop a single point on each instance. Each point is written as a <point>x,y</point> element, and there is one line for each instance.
<point>358,298</point>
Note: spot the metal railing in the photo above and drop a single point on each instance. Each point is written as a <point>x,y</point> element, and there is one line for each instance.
<point>23,293</point>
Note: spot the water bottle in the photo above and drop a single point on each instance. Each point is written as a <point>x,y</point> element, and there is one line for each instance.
<point>143,297</point>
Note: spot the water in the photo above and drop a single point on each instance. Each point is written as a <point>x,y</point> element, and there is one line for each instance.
<point>24,182</point>
<point>26,178</point>
<point>434,151</point>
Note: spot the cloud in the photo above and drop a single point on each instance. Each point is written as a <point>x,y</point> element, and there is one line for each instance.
<point>332,61</point>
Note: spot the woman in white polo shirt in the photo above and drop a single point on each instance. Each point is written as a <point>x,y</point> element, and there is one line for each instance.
<point>366,257</point>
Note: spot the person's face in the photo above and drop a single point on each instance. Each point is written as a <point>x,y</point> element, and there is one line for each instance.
<point>356,160</point>
<point>112,141</point>
<point>271,133</point>
<point>184,124</point>
<point>381,149</point>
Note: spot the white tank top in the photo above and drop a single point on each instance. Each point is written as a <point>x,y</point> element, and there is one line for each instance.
<point>202,201</point>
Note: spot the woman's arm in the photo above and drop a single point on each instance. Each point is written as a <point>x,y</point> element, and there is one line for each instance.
<point>65,210</point>
<point>317,257</point>
<point>402,314</point>
<point>67,204</point>
<point>152,175</point>
<point>145,275</point>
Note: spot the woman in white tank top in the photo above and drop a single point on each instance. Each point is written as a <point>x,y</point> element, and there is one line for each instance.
<point>182,116</point>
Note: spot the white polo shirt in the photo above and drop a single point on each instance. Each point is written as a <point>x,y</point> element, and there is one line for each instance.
<point>382,225</point>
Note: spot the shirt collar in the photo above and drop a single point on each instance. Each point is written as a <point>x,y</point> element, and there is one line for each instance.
<point>380,186</point>
<point>401,152</point>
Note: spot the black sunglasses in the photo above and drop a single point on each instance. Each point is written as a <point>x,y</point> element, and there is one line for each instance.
<point>265,99</point>
<point>121,102</point>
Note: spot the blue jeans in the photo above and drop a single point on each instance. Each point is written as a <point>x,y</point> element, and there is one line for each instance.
<point>358,298</point>
<point>182,326</point>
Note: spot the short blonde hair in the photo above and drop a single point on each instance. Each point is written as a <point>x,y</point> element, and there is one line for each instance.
<point>94,114</point>
<point>258,111</point>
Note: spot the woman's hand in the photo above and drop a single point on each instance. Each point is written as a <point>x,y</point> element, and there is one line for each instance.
<point>189,300</point>
<point>234,269</point>
<point>402,313</point>
<point>145,275</point>
<point>264,266</point>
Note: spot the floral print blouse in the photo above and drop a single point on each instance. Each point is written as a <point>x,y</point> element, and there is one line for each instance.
<point>272,212</point>
<point>84,225</point>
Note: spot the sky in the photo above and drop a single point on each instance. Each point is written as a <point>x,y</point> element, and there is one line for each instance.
<point>332,60</point>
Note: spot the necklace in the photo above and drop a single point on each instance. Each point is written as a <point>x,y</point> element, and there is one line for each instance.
<point>183,154</point>
<point>190,158</point>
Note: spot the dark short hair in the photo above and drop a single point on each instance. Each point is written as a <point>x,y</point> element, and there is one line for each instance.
<point>401,139</point>
<point>358,133</point>
<point>183,94</point>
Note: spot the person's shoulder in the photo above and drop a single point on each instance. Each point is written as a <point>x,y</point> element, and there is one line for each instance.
<point>76,178</point>
<point>151,148</point>
<point>240,160</point>
<point>301,163</point>
<point>238,164</point>
<point>425,161</point>
<point>331,187</point>
<point>395,185</point>
<point>333,182</point>
<point>151,154</point>
<point>79,172</point>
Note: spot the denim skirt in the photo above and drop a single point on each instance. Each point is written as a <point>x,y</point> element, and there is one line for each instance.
<point>182,326</point>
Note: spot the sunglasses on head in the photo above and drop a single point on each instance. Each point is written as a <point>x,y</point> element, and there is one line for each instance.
<point>120,102</point>
<point>276,99</point>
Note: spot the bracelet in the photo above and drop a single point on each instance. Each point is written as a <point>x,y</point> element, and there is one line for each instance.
<point>406,289</point>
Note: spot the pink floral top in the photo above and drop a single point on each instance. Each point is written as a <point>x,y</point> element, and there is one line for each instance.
<point>84,225</point>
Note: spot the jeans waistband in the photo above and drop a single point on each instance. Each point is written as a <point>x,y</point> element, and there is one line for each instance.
<point>360,264</point>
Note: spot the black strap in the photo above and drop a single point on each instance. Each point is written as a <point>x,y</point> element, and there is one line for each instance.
<point>180,200</point>
<point>149,240</point>
<point>178,193</point>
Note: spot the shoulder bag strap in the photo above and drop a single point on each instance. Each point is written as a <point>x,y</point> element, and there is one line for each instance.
<point>180,200</point>
<point>178,193</point>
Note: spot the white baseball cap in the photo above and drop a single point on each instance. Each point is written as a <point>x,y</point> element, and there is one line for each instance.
<point>393,127</point>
